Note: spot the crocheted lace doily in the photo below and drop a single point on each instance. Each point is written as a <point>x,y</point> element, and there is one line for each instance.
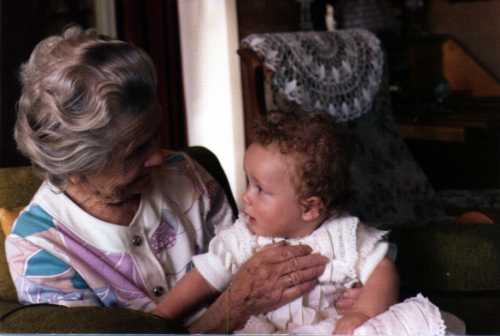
<point>336,72</point>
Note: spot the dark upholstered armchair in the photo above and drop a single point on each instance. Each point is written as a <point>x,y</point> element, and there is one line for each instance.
<point>343,73</point>
<point>17,185</point>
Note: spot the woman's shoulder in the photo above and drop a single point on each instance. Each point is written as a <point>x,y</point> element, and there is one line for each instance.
<point>172,158</point>
<point>180,165</point>
<point>177,173</point>
<point>31,221</point>
<point>175,161</point>
<point>38,216</point>
<point>182,180</point>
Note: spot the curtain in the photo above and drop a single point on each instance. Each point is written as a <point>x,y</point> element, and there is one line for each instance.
<point>153,25</point>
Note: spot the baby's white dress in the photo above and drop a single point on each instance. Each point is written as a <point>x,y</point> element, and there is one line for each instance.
<point>354,251</point>
<point>416,316</point>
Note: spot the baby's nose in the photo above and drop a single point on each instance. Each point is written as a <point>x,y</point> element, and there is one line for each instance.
<point>246,198</point>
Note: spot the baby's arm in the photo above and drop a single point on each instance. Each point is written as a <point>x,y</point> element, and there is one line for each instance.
<point>379,292</point>
<point>187,295</point>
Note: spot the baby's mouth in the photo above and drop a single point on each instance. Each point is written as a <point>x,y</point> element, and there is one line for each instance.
<point>250,219</point>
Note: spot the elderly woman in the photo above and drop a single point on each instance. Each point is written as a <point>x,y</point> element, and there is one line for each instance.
<point>117,220</point>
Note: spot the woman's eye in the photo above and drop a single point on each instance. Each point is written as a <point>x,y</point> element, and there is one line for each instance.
<point>142,150</point>
<point>135,156</point>
<point>145,147</point>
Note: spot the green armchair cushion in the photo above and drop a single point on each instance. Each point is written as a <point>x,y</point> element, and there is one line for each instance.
<point>7,289</point>
<point>457,266</point>
<point>17,186</point>
<point>17,318</point>
<point>451,257</point>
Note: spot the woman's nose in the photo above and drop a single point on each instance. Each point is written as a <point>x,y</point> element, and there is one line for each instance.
<point>154,159</point>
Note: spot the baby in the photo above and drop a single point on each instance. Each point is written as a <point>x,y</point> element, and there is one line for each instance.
<point>297,169</point>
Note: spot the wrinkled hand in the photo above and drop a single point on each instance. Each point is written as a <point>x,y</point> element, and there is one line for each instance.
<point>349,322</point>
<point>274,276</point>
<point>345,303</point>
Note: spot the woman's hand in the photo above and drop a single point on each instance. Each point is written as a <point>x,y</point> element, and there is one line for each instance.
<point>276,275</point>
<point>272,277</point>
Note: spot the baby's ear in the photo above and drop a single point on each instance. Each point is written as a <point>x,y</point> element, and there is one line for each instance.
<point>312,208</point>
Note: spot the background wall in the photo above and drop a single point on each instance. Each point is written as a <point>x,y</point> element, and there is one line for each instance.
<point>475,23</point>
<point>211,73</point>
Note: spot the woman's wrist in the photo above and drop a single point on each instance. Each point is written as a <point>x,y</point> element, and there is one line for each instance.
<point>225,315</point>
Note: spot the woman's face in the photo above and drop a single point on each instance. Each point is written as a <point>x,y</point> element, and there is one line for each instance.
<point>126,178</point>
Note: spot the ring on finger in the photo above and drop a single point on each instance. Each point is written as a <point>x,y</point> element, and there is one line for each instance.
<point>291,280</point>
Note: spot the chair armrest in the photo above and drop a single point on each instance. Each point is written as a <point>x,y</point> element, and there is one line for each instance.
<point>211,163</point>
<point>44,318</point>
<point>457,201</point>
<point>449,257</point>
<point>457,266</point>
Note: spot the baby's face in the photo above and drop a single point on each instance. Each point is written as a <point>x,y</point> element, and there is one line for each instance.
<point>270,200</point>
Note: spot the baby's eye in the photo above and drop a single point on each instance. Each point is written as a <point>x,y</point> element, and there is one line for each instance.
<point>259,189</point>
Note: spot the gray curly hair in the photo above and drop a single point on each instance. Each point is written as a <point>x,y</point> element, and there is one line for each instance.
<point>85,98</point>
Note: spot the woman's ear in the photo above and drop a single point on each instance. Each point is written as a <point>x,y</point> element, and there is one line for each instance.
<point>75,179</point>
<point>312,208</point>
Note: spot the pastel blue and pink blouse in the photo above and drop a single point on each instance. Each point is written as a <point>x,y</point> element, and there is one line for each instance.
<point>60,254</point>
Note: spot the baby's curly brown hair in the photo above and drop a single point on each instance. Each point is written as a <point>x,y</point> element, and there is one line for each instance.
<point>321,152</point>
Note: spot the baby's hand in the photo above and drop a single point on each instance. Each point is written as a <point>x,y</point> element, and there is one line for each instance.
<point>346,302</point>
<point>349,322</point>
